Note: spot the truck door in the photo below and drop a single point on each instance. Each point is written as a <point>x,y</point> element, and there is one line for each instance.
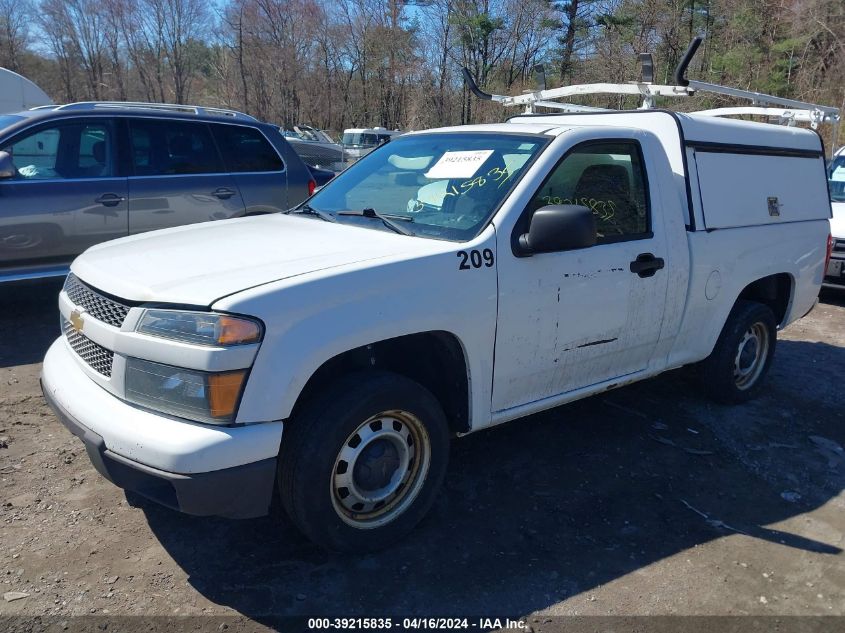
<point>571,319</point>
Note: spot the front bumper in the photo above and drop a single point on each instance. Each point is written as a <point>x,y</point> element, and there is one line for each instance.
<point>110,428</point>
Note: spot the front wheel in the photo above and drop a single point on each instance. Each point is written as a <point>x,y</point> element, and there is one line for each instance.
<point>734,371</point>
<point>363,461</point>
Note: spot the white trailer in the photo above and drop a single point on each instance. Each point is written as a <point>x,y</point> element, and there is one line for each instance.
<point>18,93</point>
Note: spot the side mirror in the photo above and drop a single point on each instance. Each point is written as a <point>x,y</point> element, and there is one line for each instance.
<point>7,167</point>
<point>559,227</point>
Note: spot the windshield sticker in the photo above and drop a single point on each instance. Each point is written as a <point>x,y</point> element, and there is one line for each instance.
<point>459,164</point>
<point>500,175</point>
<point>838,175</point>
<point>497,174</point>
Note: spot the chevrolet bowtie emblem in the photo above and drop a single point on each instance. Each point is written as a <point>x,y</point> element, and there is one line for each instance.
<point>76,320</point>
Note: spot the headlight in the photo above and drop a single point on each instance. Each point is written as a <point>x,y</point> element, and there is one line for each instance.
<point>201,328</point>
<point>185,393</point>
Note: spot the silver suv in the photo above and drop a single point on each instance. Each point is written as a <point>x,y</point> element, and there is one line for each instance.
<point>82,173</point>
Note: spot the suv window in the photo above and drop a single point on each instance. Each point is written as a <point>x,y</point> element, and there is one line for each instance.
<point>246,149</point>
<point>64,151</point>
<point>167,148</point>
<point>609,179</point>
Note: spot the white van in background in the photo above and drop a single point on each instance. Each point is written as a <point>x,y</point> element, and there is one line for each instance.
<point>358,142</point>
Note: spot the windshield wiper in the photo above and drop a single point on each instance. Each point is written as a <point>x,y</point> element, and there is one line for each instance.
<point>372,213</point>
<point>307,209</point>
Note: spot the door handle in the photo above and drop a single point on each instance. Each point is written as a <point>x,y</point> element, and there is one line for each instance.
<point>646,264</point>
<point>223,193</point>
<point>109,200</point>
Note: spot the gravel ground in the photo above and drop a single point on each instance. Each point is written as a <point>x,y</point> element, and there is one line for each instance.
<point>648,500</point>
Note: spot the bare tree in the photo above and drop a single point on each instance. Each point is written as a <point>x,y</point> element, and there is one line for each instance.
<point>180,24</point>
<point>55,25</point>
<point>114,46</point>
<point>14,31</point>
<point>356,63</point>
<point>86,35</point>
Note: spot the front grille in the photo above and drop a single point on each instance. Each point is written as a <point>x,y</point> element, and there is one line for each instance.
<point>839,246</point>
<point>100,307</point>
<point>97,356</point>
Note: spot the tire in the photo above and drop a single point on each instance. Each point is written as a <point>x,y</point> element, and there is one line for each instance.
<point>735,370</point>
<point>361,495</point>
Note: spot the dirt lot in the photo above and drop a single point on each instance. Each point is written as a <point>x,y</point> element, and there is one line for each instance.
<point>648,500</point>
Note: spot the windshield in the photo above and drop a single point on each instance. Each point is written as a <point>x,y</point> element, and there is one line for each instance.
<point>7,119</point>
<point>443,186</point>
<point>836,179</point>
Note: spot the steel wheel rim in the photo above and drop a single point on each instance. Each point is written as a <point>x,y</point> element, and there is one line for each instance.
<point>751,355</point>
<point>380,469</point>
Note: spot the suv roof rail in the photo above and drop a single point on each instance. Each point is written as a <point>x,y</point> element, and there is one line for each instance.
<point>167,107</point>
<point>786,111</point>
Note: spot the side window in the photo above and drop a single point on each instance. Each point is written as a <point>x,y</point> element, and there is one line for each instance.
<point>169,148</point>
<point>609,179</point>
<point>245,149</point>
<point>94,151</point>
<point>66,151</point>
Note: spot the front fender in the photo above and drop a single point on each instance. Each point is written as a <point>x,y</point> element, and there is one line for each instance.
<point>313,318</point>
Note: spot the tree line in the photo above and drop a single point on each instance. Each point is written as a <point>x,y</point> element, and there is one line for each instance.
<point>336,64</point>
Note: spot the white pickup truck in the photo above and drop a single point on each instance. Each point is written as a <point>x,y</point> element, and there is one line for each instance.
<point>452,280</point>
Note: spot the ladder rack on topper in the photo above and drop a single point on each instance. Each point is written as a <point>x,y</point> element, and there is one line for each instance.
<point>786,111</point>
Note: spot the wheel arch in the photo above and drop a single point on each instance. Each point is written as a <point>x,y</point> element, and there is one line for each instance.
<point>436,359</point>
<point>775,291</point>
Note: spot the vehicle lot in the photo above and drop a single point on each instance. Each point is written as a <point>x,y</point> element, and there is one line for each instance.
<point>647,500</point>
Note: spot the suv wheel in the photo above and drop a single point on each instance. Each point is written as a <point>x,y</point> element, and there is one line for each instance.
<point>363,461</point>
<point>735,370</point>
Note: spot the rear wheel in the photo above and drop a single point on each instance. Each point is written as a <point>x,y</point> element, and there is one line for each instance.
<point>735,370</point>
<point>363,461</point>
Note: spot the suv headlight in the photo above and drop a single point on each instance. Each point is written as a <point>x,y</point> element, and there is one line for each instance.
<point>186,393</point>
<point>200,328</point>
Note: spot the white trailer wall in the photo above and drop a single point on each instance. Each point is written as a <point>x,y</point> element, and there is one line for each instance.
<point>19,93</point>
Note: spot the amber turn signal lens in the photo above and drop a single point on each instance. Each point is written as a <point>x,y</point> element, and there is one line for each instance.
<point>233,331</point>
<point>223,392</point>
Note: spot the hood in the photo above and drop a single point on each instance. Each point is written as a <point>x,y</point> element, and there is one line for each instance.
<point>837,222</point>
<point>199,264</point>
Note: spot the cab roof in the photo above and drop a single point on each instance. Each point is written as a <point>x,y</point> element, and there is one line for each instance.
<point>509,127</point>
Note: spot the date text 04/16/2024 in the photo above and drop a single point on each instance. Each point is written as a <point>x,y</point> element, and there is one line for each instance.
<point>479,624</point>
